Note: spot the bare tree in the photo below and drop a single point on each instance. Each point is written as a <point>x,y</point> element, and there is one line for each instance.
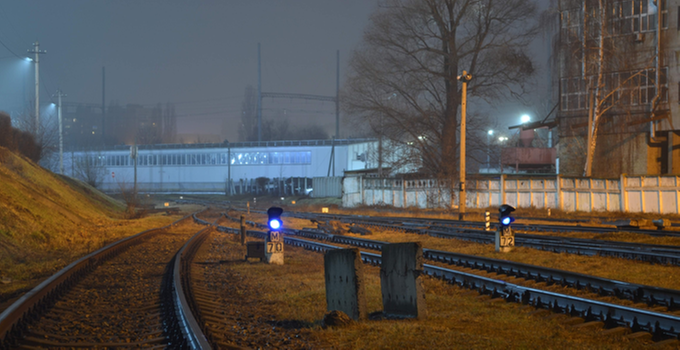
<point>90,168</point>
<point>47,138</point>
<point>403,79</point>
<point>605,71</point>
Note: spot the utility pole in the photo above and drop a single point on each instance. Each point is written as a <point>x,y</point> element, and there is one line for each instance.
<point>259,95</point>
<point>103,105</point>
<point>36,50</point>
<point>464,78</point>
<point>337,96</point>
<point>59,95</point>
<point>134,151</point>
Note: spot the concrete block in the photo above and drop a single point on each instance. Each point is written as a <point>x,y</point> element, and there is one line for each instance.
<point>401,276</point>
<point>344,275</point>
<point>255,250</point>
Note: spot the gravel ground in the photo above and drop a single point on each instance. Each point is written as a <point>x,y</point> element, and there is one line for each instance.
<point>247,317</point>
<point>119,302</point>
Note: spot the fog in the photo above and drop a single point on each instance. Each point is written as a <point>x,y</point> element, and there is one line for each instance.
<point>200,56</point>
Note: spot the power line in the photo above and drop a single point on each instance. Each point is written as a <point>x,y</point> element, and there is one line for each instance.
<point>10,50</point>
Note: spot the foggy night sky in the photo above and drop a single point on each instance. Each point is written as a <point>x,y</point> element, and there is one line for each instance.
<point>198,55</point>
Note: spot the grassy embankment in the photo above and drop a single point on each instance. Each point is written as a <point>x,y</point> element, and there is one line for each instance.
<point>47,221</point>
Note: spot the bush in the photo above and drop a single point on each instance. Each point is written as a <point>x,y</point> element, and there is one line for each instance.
<point>18,141</point>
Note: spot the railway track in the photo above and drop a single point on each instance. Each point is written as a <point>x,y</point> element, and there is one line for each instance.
<point>473,231</point>
<point>561,225</point>
<point>127,294</point>
<point>661,324</point>
<point>651,253</point>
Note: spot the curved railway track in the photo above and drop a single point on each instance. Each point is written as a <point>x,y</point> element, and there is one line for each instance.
<point>127,294</point>
<point>662,322</point>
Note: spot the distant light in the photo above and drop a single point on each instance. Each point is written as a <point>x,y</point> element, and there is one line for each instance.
<point>490,132</point>
<point>52,104</point>
<point>525,119</point>
<point>506,220</point>
<point>28,59</point>
<point>502,138</point>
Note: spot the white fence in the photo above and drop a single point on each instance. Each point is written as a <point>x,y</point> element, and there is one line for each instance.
<point>648,194</point>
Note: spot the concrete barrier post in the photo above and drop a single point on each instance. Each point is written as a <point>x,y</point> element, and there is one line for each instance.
<point>487,221</point>
<point>243,230</point>
<point>344,275</point>
<point>401,274</point>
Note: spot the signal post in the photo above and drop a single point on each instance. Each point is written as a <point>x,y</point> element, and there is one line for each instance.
<point>505,238</point>
<point>274,241</point>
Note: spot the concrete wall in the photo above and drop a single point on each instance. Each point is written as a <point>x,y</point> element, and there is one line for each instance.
<point>646,194</point>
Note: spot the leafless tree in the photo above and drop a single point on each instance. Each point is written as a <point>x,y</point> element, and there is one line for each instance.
<point>47,137</point>
<point>89,168</point>
<point>403,78</point>
<point>606,72</point>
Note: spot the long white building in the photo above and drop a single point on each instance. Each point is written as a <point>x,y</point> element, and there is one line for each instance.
<point>289,166</point>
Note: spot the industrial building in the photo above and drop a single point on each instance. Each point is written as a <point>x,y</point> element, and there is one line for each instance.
<point>275,167</point>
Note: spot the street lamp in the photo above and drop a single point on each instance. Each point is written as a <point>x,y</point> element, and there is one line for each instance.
<point>525,119</point>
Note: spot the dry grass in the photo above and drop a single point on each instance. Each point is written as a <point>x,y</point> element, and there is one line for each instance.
<point>457,318</point>
<point>48,221</point>
<point>614,268</point>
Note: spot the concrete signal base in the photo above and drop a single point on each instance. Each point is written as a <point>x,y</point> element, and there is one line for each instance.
<point>344,275</point>
<point>505,239</point>
<point>273,244</point>
<point>401,274</point>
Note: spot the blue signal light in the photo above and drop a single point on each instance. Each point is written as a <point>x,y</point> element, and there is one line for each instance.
<point>505,217</point>
<point>274,221</point>
<point>274,224</point>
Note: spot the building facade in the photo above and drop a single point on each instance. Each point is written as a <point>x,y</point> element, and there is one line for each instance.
<point>618,74</point>
<point>244,167</point>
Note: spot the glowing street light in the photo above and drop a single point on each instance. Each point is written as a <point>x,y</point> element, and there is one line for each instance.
<point>525,119</point>
<point>490,132</point>
<point>502,139</point>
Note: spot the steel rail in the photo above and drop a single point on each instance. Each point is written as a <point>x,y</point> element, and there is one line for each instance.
<point>182,295</point>
<point>15,318</point>
<point>603,286</point>
<point>661,325</point>
<point>657,254</point>
<point>518,226</point>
